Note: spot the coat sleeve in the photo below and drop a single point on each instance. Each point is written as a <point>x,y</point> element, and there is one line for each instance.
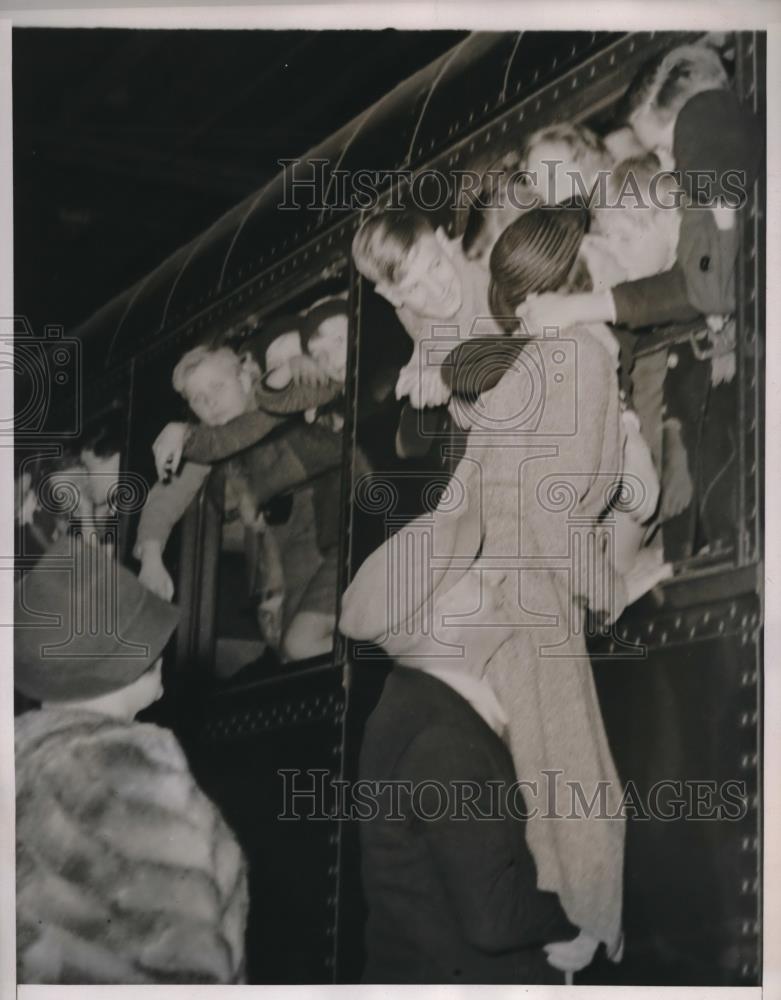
<point>493,886</point>
<point>213,444</point>
<point>166,504</point>
<point>654,301</point>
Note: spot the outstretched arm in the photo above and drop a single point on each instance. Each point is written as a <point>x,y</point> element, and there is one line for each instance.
<point>165,505</point>
<point>212,444</point>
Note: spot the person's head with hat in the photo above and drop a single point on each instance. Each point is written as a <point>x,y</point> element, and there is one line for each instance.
<point>535,254</point>
<point>661,88</point>
<point>681,107</point>
<point>87,634</point>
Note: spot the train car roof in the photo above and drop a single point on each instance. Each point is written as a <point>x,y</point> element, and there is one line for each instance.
<point>429,112</point>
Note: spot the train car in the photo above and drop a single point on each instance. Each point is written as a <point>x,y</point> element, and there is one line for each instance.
<point>679,677</point>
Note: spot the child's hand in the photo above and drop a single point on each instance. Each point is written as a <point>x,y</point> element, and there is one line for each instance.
<point>155,577</point>
<point>424,386</point>
<point>538,312</point>
<point>168,448</point>
<point>304,370</point>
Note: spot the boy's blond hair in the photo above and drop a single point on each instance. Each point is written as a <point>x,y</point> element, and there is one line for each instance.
<point>194,358</point>
<point>586,146</point>
<point>381,245</point>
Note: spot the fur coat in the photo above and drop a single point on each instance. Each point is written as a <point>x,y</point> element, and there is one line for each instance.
<point>126,872</point>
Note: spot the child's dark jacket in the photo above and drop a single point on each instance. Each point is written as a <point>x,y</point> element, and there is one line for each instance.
<point>450,900</point>
<point>714,134</point>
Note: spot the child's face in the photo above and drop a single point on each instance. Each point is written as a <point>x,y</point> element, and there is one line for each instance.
<point>329,347</point>
<point>652,133</point>
<point>431,286</point>
<point>560,174</point>
<point>218,391</point>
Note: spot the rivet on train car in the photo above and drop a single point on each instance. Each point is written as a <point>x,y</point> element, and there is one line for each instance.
<point>592,71</point>
<point>706,618</point>
<point>672,360</point>
<point>537,105</point>
<point>612,59</point>
<point>631,47</point>
<point>504,126</point>
<point>692,632</point>
<point>520,116</point>
<point>663,637</point>
<point>678,621</point>
<point>574,83</point>
<point>721,627</point>
<point>556,94</point>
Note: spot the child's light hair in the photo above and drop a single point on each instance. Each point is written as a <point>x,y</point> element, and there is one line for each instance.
<point>381,245</point>
<point>586,146</point>
<point>666,82</point>
<point>193,359</point>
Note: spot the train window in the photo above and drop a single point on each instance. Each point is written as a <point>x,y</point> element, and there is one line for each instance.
<point>680,378</point>
<point>280,486</point>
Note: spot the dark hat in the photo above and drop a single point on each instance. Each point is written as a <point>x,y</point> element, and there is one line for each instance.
<point>715,132</point>
<point>259,343</point>
<point>535,253</point>
<point>84,625</point>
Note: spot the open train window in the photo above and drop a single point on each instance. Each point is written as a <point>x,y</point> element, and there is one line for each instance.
<point>686,378</point>
<point>280,489</point>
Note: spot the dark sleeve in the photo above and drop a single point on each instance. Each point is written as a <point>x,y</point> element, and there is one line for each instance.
<point>485,865</point>
<point>475,366</point>
<point>212,444</point>
<point>653,301</point>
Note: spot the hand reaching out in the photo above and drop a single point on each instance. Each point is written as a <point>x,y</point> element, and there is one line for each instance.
<point>155,577</point>
<point>538,312</point>
<point>424,385</point>
<point>304,370</point>
<point>168,448</point>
